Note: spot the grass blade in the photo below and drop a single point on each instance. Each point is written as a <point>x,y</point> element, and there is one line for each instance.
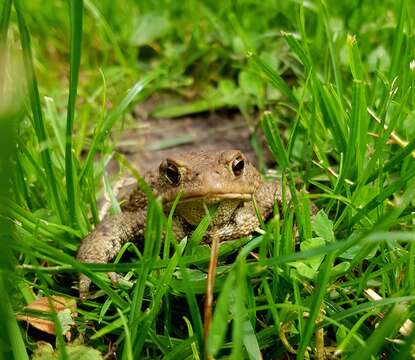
<point>333,119</point>
<point>359,124</point>
<point>321,285</point>
<point>396,160</point>
<point>387,328</point>
<point>76,14</point>
<point>153,234</point>
<point>387,191</point>
<point>221,316</point>
<point>239,311</point>
<point>299,51</point>
<point>9,321</point>
<point>406,351</point>
<point>165,279</point>
<point>193,307</point>
<point>333,55</point>
<point>128,351</point>
<point>274,140</point>
<point>273,77</point>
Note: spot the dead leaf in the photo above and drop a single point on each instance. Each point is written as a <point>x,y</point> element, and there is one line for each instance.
<point>64,307</point>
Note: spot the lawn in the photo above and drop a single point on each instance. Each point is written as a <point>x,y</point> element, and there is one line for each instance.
<point>326,93</point>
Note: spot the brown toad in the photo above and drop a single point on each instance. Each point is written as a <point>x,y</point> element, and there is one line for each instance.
<point>225,178</point>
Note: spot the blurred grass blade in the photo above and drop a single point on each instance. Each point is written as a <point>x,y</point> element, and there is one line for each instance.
<point>12,343</point>
<point>94,11</point>
<point>397,57</point>
<point>273,77</point>
<point>324,14</point>
<point>75,14</point>
<point>15,340</point>
<point>4,20</point>
<point>104,128</point>
<point>38,123</point>
<point>5,11</point>
<point>177,110</point>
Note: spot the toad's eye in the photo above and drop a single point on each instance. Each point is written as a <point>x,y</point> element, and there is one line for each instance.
<point>238,166</point>
<point>172,174</point>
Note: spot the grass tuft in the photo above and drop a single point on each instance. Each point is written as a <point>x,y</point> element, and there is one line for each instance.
<point>326,86</point>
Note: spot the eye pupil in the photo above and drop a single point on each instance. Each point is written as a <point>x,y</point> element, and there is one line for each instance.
<point>238,166</point>
<point>173,174</point>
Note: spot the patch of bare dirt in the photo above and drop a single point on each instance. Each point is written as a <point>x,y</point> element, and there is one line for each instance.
<point>152,140</point>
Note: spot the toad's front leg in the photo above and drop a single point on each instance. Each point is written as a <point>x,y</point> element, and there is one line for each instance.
<point>104,243</point>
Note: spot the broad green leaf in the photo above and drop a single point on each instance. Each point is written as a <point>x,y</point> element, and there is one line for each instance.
<point>150,27</point>
<point>323,227</point>
<point>309,244</point>
<point>251,83</point>
<point>45,351</point>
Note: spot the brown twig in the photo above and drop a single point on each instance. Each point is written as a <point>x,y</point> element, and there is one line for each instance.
<point>210,285</point>
<point>394,137</point>
<point>320,339</point>
<point>408,325</point>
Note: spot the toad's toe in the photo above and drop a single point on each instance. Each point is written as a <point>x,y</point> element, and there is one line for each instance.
<point>84,284</point>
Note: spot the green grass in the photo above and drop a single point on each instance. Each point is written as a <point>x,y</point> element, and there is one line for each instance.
<point>329,83</point>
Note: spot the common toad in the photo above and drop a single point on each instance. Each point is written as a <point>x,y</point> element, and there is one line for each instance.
<point>225,178</point>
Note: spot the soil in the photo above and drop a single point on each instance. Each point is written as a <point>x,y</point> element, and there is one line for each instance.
<point>153,139</point>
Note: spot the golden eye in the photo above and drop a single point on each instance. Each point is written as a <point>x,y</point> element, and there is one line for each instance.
<point>238,165</point>
<point>172,174</point>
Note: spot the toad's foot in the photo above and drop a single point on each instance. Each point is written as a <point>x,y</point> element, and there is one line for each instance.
<point>85,283</point>
<point>104,243</point>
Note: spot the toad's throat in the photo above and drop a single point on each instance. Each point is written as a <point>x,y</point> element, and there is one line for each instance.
<point>194,209</point>
<point>210,199</point>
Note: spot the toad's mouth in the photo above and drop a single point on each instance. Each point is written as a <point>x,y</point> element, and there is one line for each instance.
<point>210,199</point>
